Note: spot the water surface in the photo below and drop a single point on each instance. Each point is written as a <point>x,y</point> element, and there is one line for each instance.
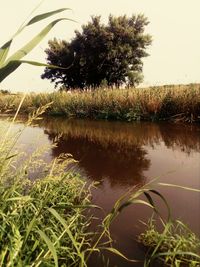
<point>123,155</point>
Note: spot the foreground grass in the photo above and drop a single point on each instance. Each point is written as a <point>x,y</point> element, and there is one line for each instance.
<point>42,222</point>
<point>180,103</point>
<point>175,246</point>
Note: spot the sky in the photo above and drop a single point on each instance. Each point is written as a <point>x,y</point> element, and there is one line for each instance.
<point>174,56</point>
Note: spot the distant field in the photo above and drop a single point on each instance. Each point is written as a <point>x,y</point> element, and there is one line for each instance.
<point>168,102</point>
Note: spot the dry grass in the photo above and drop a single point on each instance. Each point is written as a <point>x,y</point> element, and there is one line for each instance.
<point>180,103</point>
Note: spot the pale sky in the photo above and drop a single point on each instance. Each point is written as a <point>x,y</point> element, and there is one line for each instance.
<point>174,24</point>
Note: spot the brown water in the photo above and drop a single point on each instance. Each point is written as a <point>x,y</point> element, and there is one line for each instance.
<point>122,155</point>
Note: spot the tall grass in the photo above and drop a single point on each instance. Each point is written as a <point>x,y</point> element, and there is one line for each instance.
<point>180,103</point>
<point>42,223</point>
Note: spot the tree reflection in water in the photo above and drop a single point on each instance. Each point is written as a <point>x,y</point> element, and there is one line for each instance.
<point>117,151</point>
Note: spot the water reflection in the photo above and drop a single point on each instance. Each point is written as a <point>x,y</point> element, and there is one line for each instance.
<point>124,135</point>
<point>121,134</point>
<point>118,151</point>
<point>183,137</point>
<point>105,160</point>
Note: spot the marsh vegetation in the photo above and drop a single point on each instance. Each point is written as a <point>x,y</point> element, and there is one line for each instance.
<point>177,103</point>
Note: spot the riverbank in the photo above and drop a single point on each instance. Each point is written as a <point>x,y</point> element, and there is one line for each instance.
<point>171,103</point>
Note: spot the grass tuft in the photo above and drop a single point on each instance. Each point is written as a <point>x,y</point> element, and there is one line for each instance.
<point>175,246</point>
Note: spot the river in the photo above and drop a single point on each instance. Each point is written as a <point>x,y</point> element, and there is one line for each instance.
<point>120,156</point>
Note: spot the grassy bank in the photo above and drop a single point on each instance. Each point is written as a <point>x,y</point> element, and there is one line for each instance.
<point>179,103</point>
<point>42,222</point>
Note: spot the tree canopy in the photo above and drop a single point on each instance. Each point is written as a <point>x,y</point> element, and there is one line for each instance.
<point>100,54</point>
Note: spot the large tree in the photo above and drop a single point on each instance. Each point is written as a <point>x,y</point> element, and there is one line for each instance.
<point>100,54</point>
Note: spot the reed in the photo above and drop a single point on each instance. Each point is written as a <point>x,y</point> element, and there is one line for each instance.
<point>177,103</point>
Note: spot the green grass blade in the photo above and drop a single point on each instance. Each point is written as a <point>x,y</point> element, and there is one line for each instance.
<point>34,42</point>
<point>8,68</point>
<point>39,18</point>
<point>13,62</point>
<point>3,255</point>
<point>11,156</point>
<point>4,51</point>
<point>149,198</point>
<point>134,201</point>
<point>5,48</point>
<point>13,65</point>
<point>40,64</point>
<point>63,222</point>
<point>181,187</point>
<point>176,253</point>
<point>116,252</point>
<point>45,15</point>
<point>29,229</point>
<point>164,200</point>
<point>50,246</point>
<point>21,198</point>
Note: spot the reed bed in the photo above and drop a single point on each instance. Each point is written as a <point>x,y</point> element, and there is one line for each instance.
<point>177,103</point>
